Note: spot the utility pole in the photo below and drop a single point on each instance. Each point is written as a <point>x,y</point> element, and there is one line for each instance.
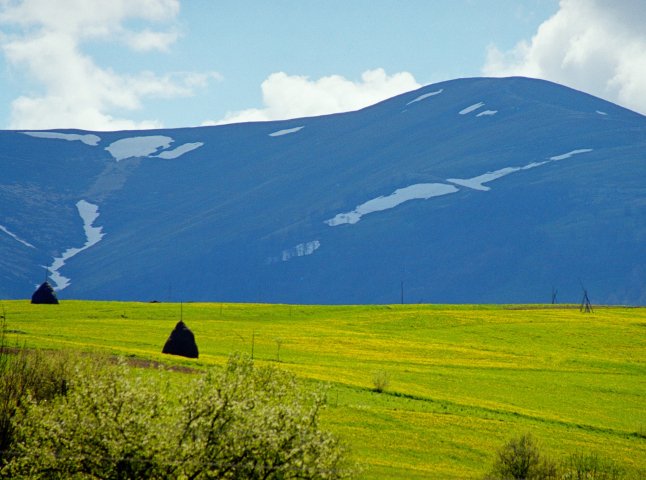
<point>402,292</point>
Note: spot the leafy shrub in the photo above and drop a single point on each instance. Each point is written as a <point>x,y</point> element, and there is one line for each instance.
<point>105,427</point>
<point>258,424</point>
<point>590,466</point>
<point>24,374</point>
<point>520,459</point>
<point>380,381</point>
<point>240,422</point>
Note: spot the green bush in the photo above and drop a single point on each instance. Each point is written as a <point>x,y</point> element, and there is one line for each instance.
<point>520,459</point>
<point>380,381</point>
<point>590,466</point>
<point>26,374</point>
<point>118,423</point>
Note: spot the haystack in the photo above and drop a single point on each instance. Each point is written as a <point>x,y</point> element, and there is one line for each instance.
<point>181,342</point>
<point>45,294</point>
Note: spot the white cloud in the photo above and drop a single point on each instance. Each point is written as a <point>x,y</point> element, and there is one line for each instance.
<point>149,40</point>
<point>85,18</point>
<point>592,45</point>
<point>291,96</point>
<point>46,45</point>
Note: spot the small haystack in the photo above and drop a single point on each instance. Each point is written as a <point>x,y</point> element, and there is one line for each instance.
<point>181,342</point>
<point>586,307</point>
<point>45,294</point>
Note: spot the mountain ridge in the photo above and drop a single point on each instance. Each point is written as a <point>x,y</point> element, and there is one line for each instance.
<point>469,191</point>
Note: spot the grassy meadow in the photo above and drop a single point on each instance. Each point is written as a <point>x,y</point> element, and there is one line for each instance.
<point>459,380</point>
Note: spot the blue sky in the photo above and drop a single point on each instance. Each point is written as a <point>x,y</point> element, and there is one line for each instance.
<point>168,63</point>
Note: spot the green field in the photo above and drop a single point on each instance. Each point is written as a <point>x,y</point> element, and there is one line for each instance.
<point>462,379</point>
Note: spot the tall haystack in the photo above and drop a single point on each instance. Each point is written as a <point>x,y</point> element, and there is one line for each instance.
<point>586,307</point>
<point>45,294</point>
<point>181,342</point>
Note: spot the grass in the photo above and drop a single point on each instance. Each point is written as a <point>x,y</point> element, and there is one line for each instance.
<point>462,380</point>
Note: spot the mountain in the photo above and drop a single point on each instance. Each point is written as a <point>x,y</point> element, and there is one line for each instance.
<point>475,190</point>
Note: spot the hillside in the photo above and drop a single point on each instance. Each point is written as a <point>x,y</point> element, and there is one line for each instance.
<point>462,380</point>
<point>473,190</point>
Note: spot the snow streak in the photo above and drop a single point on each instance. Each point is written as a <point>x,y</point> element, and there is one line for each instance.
<point>88,213</point>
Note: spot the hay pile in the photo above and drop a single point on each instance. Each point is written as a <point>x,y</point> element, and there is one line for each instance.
<point>45,294</point>
<point>181,342</point>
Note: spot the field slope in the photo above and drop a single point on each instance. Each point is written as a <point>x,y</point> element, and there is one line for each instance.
<point>462,379</point>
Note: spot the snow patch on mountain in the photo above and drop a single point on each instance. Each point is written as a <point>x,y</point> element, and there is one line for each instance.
<point>476,183</point>
<point>569,154</point>
<point>88,213</point>
<point>419,191</point>
<point>286,131</point>
<point>88,139</point>
<point>179,151</point>
<point>15,237</point>
<point>300,250</point>
<point>138,146</point>
<point>425,96</point>
<point>429,190</point>
<point>471,108</point>
<point>487,113</point>
<point>149,146</point>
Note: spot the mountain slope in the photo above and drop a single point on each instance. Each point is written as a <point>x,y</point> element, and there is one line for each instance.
<point>472,190</point>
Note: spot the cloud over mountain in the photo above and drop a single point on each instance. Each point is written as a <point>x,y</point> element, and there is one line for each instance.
<point>592,45</point>
<point>290,96</point>
<point>44,41</point>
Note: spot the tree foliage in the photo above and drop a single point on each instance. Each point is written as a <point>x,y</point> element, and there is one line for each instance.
<point>120,423</point>
<point>591,466</point>
<point>26,374</point>
<point>520,459</point>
